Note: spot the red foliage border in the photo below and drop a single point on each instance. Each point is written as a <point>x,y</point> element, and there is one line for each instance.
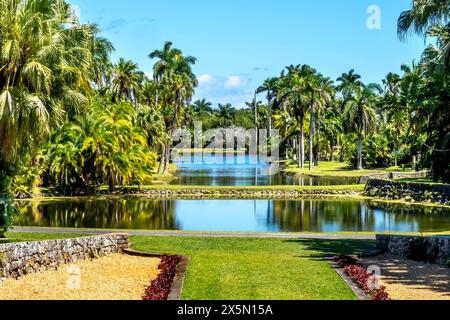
<point>361,277</point>
<point>160,287</point>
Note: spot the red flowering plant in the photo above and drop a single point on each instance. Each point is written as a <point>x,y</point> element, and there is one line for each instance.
<point>161,286</point>
<point>365,280</point>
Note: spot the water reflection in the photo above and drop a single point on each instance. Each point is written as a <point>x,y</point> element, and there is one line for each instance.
<point>241,170</point>
<point>111,213</point>
<point>234,215</point>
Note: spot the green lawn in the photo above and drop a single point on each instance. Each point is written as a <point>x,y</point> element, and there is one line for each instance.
<point>257,269</point>
<point>335,169</point>
<point>419,180</point>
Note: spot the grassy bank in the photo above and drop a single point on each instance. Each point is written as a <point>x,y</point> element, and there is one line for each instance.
<point>253,269</point>
<point>335,169</point>
<point>354,187</point>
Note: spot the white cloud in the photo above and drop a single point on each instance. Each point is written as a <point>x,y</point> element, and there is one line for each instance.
<point>205,79</point>
<point>235,82</point>
<point>229,89</point>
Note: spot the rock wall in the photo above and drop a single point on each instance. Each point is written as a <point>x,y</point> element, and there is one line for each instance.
<point>242,194</point>
<point>427,249</point>
<point>393,190</point>
<point>393,176</point>
<point>17,259</point>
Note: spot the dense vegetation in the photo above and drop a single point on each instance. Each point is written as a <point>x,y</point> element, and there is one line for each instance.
<point>73,119</point>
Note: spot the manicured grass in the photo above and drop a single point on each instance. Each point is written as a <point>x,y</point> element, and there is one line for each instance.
<point>419,180</point>
<point>335,169</point>
<point>253,269</point>
<point>38,236</point>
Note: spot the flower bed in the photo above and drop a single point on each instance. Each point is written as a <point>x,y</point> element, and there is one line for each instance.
<point>162,285</point>
<point>362,278</point>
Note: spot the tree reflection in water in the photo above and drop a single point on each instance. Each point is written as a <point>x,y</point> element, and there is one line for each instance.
<point>108,213</point>
<point>234,215</point>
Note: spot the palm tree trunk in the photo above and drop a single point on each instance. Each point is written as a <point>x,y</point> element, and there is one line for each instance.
<point>395,157</point>
<point>331,149</point>
<point>294,149</point>
<point>161,162</point>
<point>166,158</point>
<point>317,150</point>
<point>302,144</point>
<point>270,119</point>
<point>311,138</point>
<point>360,146</point>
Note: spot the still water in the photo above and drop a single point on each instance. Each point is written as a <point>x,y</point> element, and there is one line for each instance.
<point>241,170</point>
<point>233,215</point>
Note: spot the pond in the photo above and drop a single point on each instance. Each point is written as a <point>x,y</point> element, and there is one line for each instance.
<point>242,170</point>
<point>233,215</point>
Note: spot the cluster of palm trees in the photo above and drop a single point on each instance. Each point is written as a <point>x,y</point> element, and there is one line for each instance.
<point>224,115</point>
<point>72,118</point>
<point>405,120</point>
<point>69,116</point>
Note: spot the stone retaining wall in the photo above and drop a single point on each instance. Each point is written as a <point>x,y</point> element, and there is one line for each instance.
<point>427,249</point>
<point>241,194</point>
<point>394,176</point>
<point>394,190</point>
<point>17,259</point>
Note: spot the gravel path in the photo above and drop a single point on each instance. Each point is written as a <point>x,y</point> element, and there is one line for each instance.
<point>202,234</point>
<point>410,280</point>
<point>116,277</point>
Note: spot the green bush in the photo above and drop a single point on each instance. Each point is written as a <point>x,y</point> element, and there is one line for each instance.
<point>7,212</point>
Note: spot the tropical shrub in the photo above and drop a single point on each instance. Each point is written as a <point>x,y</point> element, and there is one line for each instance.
<point>45,61</point>
<point>104,147</point>
<point>7,212</point>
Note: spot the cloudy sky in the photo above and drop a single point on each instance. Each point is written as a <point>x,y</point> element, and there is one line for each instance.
<point>239,43</point>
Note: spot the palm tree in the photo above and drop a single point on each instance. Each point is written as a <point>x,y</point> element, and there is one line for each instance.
<point>422,15</point>
<point>101,63</point>
<point>292,100</point>
<point>173,71</point>
<point>428,18</point>
<point>269,86</point>
<point>126,80</point>
<point>360,116</point>
<point>349,83</point>
<point>323,94</point>
<point>44,72</point>
<point>226,112</point>
<point>202,107</point>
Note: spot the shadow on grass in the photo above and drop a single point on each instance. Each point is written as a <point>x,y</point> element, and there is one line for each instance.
<point>322,248</point>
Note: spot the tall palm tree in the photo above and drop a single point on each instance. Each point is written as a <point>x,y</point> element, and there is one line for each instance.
<point>269,87</point>
<point>126,80</point>
<point>349,83</point>
<point>360,117</point>
<point>292,98</point>
<point>319,92</point>
<point>101,63</point>
<point>173,71</point>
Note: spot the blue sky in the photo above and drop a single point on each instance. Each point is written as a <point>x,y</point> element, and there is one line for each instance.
<point>239,43</point>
